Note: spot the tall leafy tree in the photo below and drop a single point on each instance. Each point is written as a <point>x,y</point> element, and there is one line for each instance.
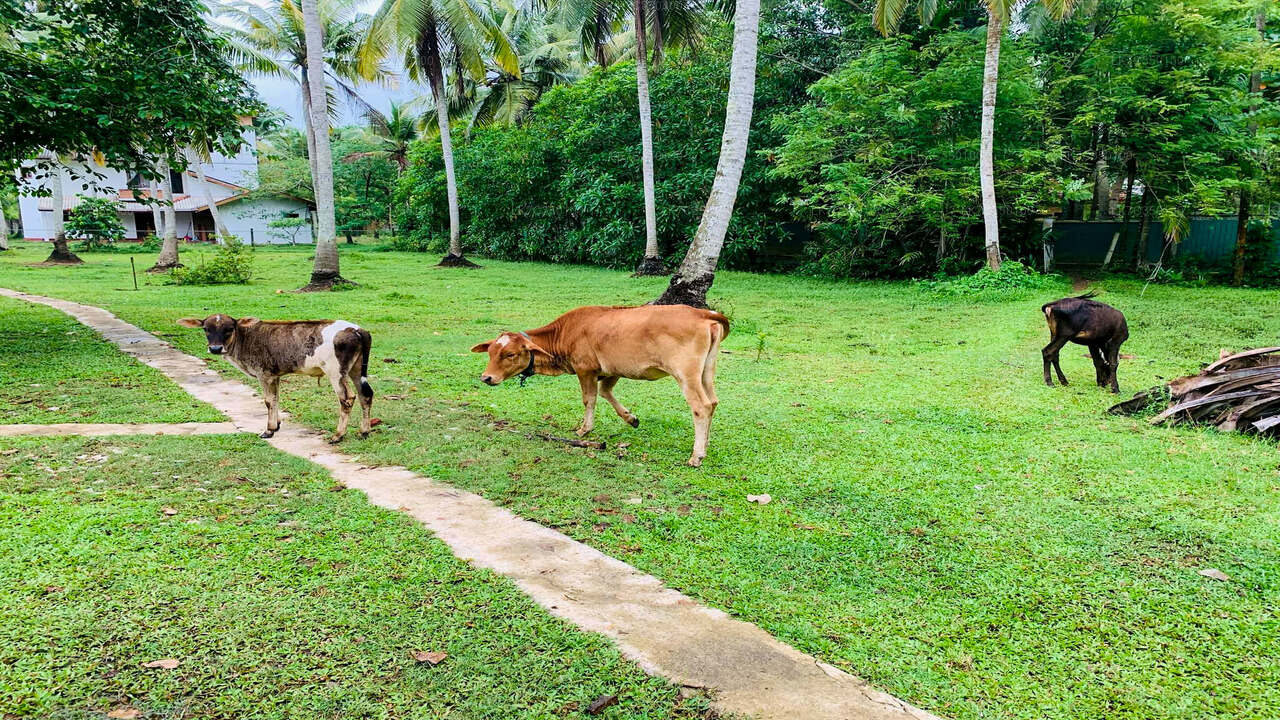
<point>168,258</point>
<point>70,83</point>
<point>691,282</point>
<point>887,17</point>
<point>462,36</point>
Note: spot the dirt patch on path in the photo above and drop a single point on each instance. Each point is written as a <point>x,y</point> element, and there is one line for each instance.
<point>746,670</point>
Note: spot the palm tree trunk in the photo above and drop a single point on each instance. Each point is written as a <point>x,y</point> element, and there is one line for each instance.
<point>1242,218</point>
<point>4,228</point>
<point>651,264</point>
<point>218,227</point>
<point>157,217</point>
<point>324,273</point>
<point>61,254</point>
<point>986,160</point>
<point>691,282</point>
<point>308,130</point>
<point>429,53</point>
<point>168,258</point>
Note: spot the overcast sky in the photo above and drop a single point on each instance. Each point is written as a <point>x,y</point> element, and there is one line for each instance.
<point>284,95</point>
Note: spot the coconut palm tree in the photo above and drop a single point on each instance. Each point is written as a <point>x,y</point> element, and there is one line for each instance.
<point>462,35</point>
<point>549,56</point>
<point>887,17</point>
<point>272,41</point>
<point>324,274</point>
<point>656,25</point>
<point>691,281</point>
<point>395,132</point>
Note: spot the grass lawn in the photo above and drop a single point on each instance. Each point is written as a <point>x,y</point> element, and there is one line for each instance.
<point>279,595</point>
<point>943,524</point>
<point>54,370</point>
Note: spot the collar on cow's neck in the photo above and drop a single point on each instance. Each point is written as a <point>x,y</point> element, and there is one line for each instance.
<point>527,372</point>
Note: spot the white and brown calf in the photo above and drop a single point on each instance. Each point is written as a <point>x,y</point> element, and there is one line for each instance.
<point>268,349</point>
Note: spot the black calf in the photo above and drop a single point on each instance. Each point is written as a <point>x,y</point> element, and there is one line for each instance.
<point>1087,322</point>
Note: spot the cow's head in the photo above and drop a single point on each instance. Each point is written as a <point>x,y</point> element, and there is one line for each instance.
<point>509,355</point>
<point>218,330</point>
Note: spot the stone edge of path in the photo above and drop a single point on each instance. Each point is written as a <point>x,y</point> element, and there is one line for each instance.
<point>745,670</point>
<point>98,429</point>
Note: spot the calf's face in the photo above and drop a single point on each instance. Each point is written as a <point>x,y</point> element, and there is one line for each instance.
<point>218,330</point>
<point>510,354</point>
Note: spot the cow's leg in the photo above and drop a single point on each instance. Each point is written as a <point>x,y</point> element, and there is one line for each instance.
<point>345,401</point>
<point>590,386</point>
<point>690,380</point>
<point>271,396</point>
<point>1050,355</point>
<point>606,390</point>
<point>366,402</point>
<point>1099,365</point>
<point>1113,364</point>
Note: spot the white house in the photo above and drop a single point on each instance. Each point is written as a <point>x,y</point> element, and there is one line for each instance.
<point>229,181</point>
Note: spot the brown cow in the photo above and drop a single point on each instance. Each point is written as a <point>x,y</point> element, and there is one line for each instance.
<point>267,350</point>
<point>604,344</point>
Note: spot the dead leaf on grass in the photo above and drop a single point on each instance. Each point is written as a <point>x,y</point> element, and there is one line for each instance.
<point>163,663</point>
<point>168,511</point>
<point>390,360</point>
<point>1215,574</point>
<point>10,451</point>
<point>601,703</point>
<point>431,658</point>
<point>125,713</point>
<point>762,499</point>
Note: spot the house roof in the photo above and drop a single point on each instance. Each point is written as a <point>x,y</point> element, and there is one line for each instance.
<point>182,202</point>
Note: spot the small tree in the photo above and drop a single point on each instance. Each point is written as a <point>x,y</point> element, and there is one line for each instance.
<point>96,222</point>
<point>289,227</point>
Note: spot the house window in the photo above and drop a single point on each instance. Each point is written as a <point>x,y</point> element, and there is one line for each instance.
<point>137,183</point>
<point>175,180</point>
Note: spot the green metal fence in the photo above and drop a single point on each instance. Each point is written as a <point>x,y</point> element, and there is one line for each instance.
<point>1213,240</point>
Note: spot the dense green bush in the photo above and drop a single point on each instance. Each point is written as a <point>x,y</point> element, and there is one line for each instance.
<point>231,264</point>
<point>566,186</point>
<point>1013,279</point>
<point>886,158</point>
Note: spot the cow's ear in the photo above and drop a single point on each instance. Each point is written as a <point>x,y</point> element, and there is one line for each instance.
<point>247,322</point>
<point>481,347</point>
<point>190,322</point>
<point>536,349</point>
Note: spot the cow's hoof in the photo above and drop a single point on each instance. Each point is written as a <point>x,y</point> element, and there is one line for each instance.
<point>335,439</point>
<point>364,434</point>
<point>267,434</point>
<point>695,461</point>
<point>633,421</point>
<point>582,432</point>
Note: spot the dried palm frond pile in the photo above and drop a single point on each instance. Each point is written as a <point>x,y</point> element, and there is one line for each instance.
<point>1239,392</point>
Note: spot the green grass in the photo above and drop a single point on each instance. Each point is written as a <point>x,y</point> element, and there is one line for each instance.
<point>53,369</point>
<point>281,595</point>
<point>942,525</point>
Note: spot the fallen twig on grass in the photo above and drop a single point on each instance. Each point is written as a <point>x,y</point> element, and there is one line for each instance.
<point>574,442</point>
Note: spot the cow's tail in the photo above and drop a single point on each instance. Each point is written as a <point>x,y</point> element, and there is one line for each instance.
<point>724,323</point>
<point>366,343</point>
